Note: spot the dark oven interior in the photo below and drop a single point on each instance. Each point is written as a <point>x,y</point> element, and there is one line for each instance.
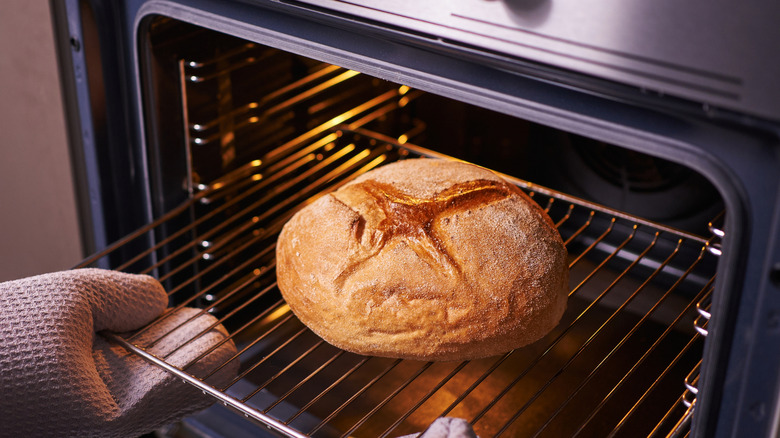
<point>240,136</point>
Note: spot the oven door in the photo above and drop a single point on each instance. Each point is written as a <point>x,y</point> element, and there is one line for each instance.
<point>157,94</point>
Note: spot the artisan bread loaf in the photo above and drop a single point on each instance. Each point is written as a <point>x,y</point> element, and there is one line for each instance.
<point>424,259</point>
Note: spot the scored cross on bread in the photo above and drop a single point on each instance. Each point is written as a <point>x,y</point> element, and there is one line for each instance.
<point>411,218</point>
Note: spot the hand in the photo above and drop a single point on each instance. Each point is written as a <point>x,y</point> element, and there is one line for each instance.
<point>59,377</point>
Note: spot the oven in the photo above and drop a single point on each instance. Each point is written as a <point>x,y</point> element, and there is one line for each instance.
<point>648,134</point>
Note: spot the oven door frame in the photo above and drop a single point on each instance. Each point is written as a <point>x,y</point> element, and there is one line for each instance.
<point>105,107</point>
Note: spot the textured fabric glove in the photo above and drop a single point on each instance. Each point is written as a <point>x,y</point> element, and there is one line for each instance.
<point>58,377</point>
<point>446,427</point>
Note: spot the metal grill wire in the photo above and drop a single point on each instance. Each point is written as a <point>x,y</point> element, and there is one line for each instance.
<point>607,341</point>
<point>614,367</point>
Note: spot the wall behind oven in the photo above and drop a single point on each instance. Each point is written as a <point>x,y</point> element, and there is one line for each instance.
<point>38,221</point>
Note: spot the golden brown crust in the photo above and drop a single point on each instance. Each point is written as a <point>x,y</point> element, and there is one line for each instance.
<point>424,259</point>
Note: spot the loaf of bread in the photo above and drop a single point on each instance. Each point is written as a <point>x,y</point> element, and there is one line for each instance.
<point>424,259</point>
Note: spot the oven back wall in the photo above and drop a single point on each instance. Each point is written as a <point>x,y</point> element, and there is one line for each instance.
<point>38,221</point>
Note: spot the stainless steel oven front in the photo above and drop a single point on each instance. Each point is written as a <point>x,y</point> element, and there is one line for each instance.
<point>649,134</point>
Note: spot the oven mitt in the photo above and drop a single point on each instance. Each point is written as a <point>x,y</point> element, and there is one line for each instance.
<point>59,377</point>
<point>446,427</point>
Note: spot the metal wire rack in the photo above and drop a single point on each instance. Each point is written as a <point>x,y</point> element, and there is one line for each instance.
<point>615,366</point>
<point>684,410</point>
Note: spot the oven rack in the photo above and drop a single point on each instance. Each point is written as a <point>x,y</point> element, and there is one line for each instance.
<point>684,410</point>
<point>680,414</point>
<point>626,338</point>
<point>241,103</point>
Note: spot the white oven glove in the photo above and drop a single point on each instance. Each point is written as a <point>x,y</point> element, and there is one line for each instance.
<point>446,427</point>
<point>59,377</point>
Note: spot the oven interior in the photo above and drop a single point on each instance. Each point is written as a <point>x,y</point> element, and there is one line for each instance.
<point>240,136</point>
